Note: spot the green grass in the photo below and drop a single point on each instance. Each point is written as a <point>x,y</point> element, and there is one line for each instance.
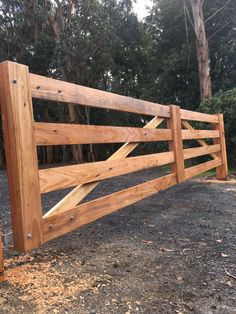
<point>212,172</point>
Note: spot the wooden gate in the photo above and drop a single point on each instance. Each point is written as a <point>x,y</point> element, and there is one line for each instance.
<point>22,135</point>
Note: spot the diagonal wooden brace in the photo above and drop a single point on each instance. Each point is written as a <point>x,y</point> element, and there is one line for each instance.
<point>188,126</point>
<point>81,191</point>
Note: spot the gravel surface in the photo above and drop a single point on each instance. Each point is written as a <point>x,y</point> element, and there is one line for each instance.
<point>174,252</point>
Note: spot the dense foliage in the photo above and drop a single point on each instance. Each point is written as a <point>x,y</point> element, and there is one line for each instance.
<point>102,44</point>
<point>225,102</point>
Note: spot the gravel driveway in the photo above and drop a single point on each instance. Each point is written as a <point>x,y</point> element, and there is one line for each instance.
<point>174,252</point>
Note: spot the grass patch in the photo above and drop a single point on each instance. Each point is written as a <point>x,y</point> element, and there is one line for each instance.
<point>212,172</point>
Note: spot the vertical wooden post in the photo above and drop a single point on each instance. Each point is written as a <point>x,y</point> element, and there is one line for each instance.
<point>1,259</point>
<point>21,156</point>
<point>221,171</point>
<point>176,145</point>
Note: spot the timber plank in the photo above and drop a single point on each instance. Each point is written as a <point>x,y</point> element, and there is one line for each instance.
<point>55,90</point>
<point>81,191</point>
<point>22,162</point>
<point>199,134</point>
<point>188,126</point>
<point>195,170</point>
<point>64,134</point>
<point>197,116</point>
<point>53,179</point>
<point>128,147</point>
<point>201,151</point>
<point>62,223</point>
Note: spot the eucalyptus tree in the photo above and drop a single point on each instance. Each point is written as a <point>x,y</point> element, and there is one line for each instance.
<point>93,43</point>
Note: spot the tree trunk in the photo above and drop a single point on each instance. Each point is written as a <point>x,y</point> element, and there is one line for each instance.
<point>49,152</point>
<point>202,50</point>
<point>77,151</point>
<point>59,22</point>
<point>91,155</point>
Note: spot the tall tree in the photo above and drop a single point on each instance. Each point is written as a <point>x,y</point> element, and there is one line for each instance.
<point>172,65</point>
<point>202,49</point>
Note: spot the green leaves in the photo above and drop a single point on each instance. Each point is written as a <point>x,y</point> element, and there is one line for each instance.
<point>225,102</point>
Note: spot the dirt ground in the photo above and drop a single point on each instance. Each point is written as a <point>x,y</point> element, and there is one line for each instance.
<point>174,252</point>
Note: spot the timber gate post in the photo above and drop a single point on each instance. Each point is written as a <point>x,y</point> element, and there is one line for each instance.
<point>22,162</point>
<point>222,170</point>
<point>176,145</point>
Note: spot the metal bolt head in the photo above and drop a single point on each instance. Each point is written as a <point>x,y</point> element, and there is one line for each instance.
<point>72,217</point>
<point>29,236</point>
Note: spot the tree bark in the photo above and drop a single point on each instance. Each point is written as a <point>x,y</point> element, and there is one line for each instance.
<point>77,151</point>
<point>59,22</point>
<point>202,50</point>
<point>49,151</point>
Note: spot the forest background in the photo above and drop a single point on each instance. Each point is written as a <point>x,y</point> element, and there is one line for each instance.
<point>102,44</point>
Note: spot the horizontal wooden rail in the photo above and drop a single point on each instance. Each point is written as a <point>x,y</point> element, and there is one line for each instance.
<point>57,178</point>
<point>63,134</point>
<point>63,177</point>
<point>55,90</point>
<point>197,116</point>
<point>62,223</point>
<point>196,170</point>
<point>200,151</point>
<point>59,224</point>
<point>197,134</point>
<point>188,126</point>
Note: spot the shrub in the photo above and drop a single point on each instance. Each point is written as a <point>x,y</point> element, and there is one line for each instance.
<point>225,102</point>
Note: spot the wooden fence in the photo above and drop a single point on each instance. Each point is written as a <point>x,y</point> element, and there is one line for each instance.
<point>22,135</point>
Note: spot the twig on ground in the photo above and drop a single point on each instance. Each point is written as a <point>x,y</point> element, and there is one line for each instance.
<point>230,274</point>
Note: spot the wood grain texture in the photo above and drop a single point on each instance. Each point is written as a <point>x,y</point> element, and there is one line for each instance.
<point>221,171</point>
<point>201,151</point>
<point>176,145</point>
<point>63,177</point>
<point>197,116</point>
<point>55,90</point>
<point>199,134</point>
<point>196,170</point>
<point>81,191</point>
<point>59,224</point>
<point>50,89</point>
<point>66,134</point>
<point>128,147</point>
<point>188,126</point>
<point>21,156</point>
